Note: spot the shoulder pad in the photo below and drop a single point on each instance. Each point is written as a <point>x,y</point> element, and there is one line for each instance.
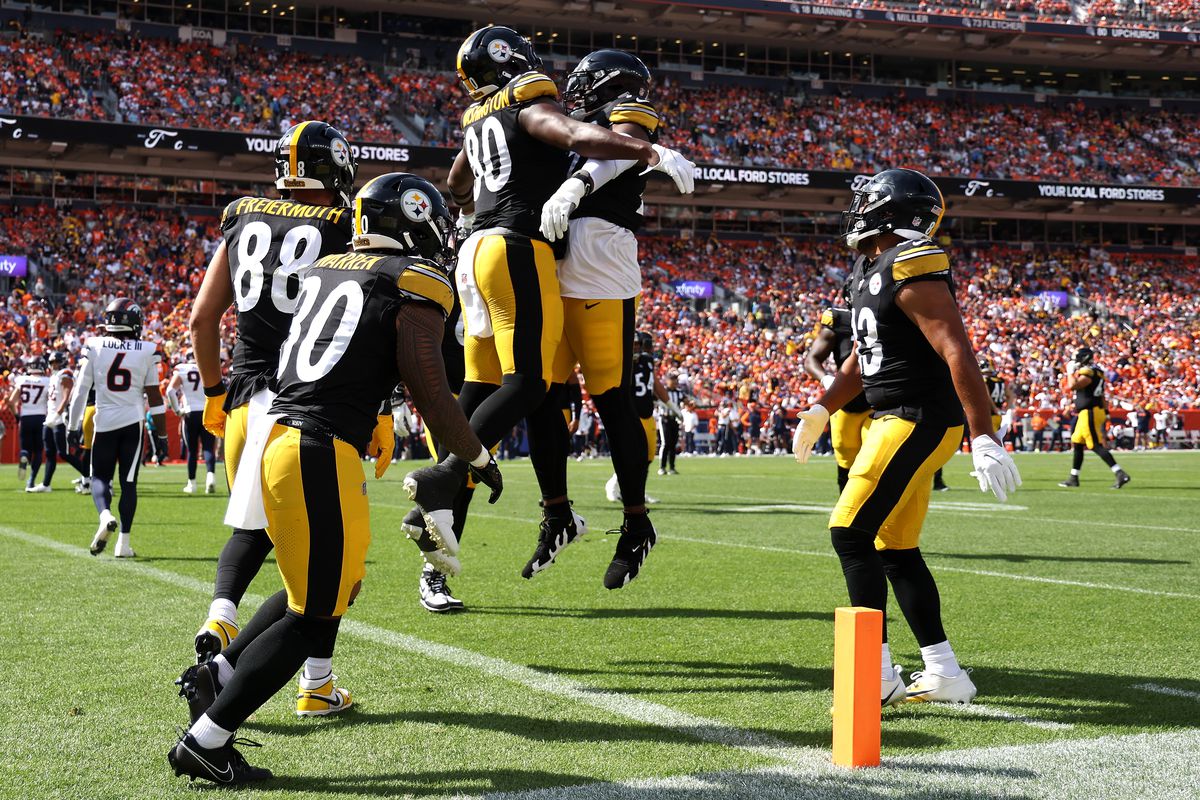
<point>231,211</point>
<point>636,111</point>
<point>532,85</point>
<point>827,318</point>
<point>918,258</point>
<point>1087,372</point>
<point>425,282</point>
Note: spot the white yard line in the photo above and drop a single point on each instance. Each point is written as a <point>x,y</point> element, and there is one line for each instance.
<point>1000,713</point>
<point>1167,690</point>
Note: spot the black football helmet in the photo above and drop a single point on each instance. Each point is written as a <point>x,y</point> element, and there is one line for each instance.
<point>123,318</point>
<point>314,155</point>
<point>644,340</point>
<point>399,211</point>
<point>901,201</point>
<point>491,57</point>
<point>35,364</point>
<point>57,359</point>
<point>986,366</point>
<point>603,78</point>
<point>1084,355</point>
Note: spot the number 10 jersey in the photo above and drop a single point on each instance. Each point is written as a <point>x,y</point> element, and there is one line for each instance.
<point>269,242</point>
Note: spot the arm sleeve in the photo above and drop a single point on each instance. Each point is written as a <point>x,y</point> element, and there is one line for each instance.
<point>604,171</point>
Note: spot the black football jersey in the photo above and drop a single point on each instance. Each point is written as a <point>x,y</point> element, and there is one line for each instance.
<point>837,320</point>
<point>620,200</point>
<point>338,364</point>
<point>902,374</point>
<point>1092,395</point>
<point>997,389</point>
<point>515,174</point>
<point>643,385</point>
<point>269,242</point>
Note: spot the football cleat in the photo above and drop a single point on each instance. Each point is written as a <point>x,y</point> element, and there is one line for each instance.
<point>213,637</point>
<point>108,525</point>
<point>39,488</point>
<point>223,765</point>
<point>435,594</point>
<point>323,701</point>
<point>638,538</point>
<point>930,688</point>
<point>662,471</point>
<point>414,528</point>
<point>894,691</point>
<point>210,484</point>
<point>199,686</point>
<point>189,487</point>
<point>553,536</point>
<point>124,551</point>
<point>1122,479</point>
<point>82,485</point>
<point>1072,480</point>
<point>434,489</point>
<point>22,467</point>
<point>612,490</point>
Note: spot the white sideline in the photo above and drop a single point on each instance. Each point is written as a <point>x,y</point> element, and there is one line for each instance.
<point>1167,690</point>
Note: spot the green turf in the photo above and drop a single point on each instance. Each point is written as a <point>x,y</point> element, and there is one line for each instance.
<point>736,627</point>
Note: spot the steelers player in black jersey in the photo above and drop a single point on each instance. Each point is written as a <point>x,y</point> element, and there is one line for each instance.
<point>600,207</point>
<point>265,243</point>
<point>1086,379</point>
<point>364,321</point>
<point>836,338</point>
<point>915,363</point>
<point>998,389</point>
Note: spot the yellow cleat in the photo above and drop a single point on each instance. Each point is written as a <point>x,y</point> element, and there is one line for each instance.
<point>213,637</point>
<point>321,702</point>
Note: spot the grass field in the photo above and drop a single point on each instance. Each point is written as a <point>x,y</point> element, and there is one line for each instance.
<point>708,677</point>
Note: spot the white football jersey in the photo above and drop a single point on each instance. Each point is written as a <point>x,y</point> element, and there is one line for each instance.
<point>56,396</point>
<point>190,386</point>
<point>119,370</point>
<point>32,391</point>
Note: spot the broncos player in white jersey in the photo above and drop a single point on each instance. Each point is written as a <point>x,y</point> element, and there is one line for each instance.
<point>187,385</point>
<point>54,433</point>
<point>28,401</point>
<point>122,369</point>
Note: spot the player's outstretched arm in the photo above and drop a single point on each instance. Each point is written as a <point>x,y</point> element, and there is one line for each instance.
<point>546,122</point>
<point>810,424</point>
<point>818,354</point>
<point>461,183</point>
<point>214,297</point>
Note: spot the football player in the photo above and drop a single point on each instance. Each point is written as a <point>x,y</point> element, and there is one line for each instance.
<point>847,425</point>
<point>122,369</point>
<point>28,400</point>
<point>390,299</point>
<point>644,389</point>
<point>185,380</point>
<point>918,369</point>
<point>999,392</point>
<point>266,243</point>
<point>54,434</point>
<point>1087,381</point>
<point>599,210</point>
<point>516,143</point>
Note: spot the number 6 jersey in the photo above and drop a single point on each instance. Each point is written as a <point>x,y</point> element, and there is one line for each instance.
<point>268,242</point>
<point>119,370</point>
<point>902,374</point>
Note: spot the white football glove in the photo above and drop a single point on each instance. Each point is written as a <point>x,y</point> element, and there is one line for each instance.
<point>673,164</point>
<point>464,225</point>
<point>994,468</point>
<point>826,381</point>
<point>809,427</point>
<point>1006,421</point>
<point>556,213</point>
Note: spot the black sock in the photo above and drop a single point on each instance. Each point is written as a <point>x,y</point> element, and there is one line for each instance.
<point>843,475</point>
<point>127,505</point>
<point>240,560</point>
<point>1077,457</point>
<point>916,593</point>
<point>626,441</point>
<point>548,442</point>
<point>270,612</point>
<point>266,666</point>
<point>1105,456</point>
<point>323,645</point>
<point>496,416</point>
<point>862,568</point>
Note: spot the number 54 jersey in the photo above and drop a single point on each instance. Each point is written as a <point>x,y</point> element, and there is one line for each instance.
<point>269,242</point>
<point>902,374</point>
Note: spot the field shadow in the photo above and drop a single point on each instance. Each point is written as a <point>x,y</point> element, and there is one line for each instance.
<point>454,782</point>
<point>651,613</point>
<point>698,677</point>
<point>1021,558</point>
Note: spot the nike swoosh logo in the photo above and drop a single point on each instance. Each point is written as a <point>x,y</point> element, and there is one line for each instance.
<point>220,775</point>
<point>590,306</point>
<point>920,692</point>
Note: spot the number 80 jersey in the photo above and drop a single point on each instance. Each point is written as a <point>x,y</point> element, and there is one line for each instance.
<point>902,374</point>
<point>269,241</point>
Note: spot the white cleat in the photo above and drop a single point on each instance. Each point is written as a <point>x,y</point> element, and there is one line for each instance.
<point>124,552</point>
<point>930,688</point>
<point>442,562</point>
<point>40,488</point>
<point>612,490</point>
<point>108,526</point>
<point>210,484</point>
<point>894,690</point>
<point>189,487</point>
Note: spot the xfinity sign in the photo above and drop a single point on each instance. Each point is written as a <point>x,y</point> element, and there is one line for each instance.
<point>14,266</point>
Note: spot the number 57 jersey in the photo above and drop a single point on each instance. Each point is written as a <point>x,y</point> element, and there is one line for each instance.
<point>269,242</point>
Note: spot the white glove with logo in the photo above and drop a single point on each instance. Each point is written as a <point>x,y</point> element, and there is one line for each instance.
<point>809,427</point>
<point>994,468</point>
<point>672,164</point>
<point>464,225</point>
<point>556,214</point>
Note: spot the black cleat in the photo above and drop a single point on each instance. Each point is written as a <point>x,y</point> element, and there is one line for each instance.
<point>199,686</point>
<point>434,490</point>
<point>1122,479</point>
<point>1073,480</point>
<point>223,765</point>
<point>553,535</point>
<point>637,540</point>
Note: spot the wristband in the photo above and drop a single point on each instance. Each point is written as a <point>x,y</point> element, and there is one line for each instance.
<point>156,410</point>
<point>482,460</point>
<point>216,390</point>
<point>585,177</point>
<point>461,200</point>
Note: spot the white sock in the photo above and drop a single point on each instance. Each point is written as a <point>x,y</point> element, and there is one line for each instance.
<point>122,540</point>
<point>223,609</point>
<point>1116,468</point>
<point>1075,473</point>
<point>209,734</point>
<point>885,662</point>
<point>316,672</point>
<point>224,669</point>
<point>939,660</point>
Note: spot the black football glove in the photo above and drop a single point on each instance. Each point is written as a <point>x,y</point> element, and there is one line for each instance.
<point>160,448</point>
<point>75,439</point>
<point>490,477</point>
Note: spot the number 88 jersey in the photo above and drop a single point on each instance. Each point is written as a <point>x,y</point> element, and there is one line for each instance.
<point>902,374</point>
<point>269,242</point>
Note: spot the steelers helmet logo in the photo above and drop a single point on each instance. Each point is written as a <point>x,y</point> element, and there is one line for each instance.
<point>416,205</point>
<point>340,151</point>
<point>500,51</point>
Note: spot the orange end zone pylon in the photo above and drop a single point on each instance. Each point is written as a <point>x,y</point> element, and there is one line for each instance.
<point>857,645</point>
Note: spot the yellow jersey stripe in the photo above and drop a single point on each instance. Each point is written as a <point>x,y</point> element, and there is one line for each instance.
<point>427,287</point>
<point>924,265</point>
<point>293,147</point>
<point>917,251</point>
<point>537,86</point>
<point>645,107</point>
<point>647,121</point>
<point>827,318</point>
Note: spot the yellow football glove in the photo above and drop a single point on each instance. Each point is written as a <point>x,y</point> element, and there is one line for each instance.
<point>383,444</point>
<point>214,413</point>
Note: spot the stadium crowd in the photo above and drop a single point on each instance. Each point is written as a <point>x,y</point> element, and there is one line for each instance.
<point>1128,13</point>
<point>195,84</point>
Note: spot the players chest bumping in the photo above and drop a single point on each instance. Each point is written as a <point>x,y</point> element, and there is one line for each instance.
<point>902,373</point>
